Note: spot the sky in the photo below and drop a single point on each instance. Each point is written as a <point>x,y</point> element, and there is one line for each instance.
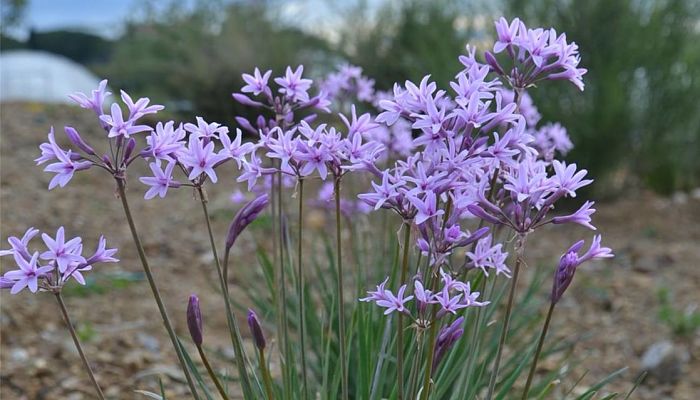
<point>106,17</point>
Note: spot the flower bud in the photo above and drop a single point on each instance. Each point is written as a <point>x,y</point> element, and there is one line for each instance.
<point>130,146</point>
<point>479,212</point>
<point>256,330</point>
<point>493,63</point>
<point>246,101</point>
<point>75,138</point>
<point>246,125</point>
<point>194,320</point>
<point>244,217</point>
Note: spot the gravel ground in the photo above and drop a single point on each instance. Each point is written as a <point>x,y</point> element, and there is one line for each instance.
<point>611,310</point>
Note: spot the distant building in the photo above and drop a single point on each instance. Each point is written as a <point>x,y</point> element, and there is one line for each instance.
<point>27,75</point>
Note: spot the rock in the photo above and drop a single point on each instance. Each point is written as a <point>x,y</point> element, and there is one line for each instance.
<point>149,342</point>
<point>19,355</point>
<point>664,362</point>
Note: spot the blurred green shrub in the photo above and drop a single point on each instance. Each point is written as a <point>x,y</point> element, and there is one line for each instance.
<point>639,111</point>
<point>683,323</point>
<point>191,60</point>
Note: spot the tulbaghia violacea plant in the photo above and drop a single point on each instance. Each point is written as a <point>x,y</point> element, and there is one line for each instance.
<point>117,151</point>
<point>51,267</point>
<point>478,160</point>
<point>469,171</point>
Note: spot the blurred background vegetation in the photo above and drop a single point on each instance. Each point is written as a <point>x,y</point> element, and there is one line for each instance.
<point>636,125</point>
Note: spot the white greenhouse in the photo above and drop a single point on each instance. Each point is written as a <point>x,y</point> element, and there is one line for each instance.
<point>38,76</point>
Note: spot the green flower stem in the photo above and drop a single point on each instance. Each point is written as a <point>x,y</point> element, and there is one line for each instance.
<point>211,373</point>
<point>399,341</point>
<point>266,375</point>
<point>506,322</point>
<point>545,327</point>
<point>152,283</point>
<point>300,290</point>
<point>76,341</point>
<point>234,331</point>
<point>340,286</point>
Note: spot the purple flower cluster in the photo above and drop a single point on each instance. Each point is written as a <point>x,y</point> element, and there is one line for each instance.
<point>451,297</point>
<point>534,54</point>
<point>197,156</point>
<point>348,83</point>
<point>477,153</point>
<point>51,268</point>
<point>118,128</point>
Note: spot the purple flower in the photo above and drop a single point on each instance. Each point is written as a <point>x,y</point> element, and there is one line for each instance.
<point>234,148</point>
<point>95,102</point>
<point>165,142</point>
<point>567,179</point>
<point>293,85</point>
<point>102,254</point>
<point>160,181</point>
<point>19,246</point>
<point>382,193</point>
<point>27,275</point>
<point>140,108</point>
<point>256,84</point>
<point>427,207</point>
<point>385,298</point>
<point>571,260</point>
<point>201,158</point>
<point>207,131</point>
<point>61,252</point>
<point>506,33</point>
<point>582,216</point>
<point>118,126</point>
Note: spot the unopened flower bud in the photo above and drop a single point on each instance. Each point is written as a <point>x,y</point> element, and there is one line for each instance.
<point>245,124</point>
<point>194,320</point>
<point>244,217</point>
<point>493,63</point>
<point>256,330</point>
<point>246,101</point>
<point>75,138</point>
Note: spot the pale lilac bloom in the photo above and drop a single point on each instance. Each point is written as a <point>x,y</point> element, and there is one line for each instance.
<point>506,33</point>
<point>102,254</point>
<point>64,168</point>
<point>118,126</point>
<point>28,274</point>
<point>570,260</point>
<point>235,148</point>
<point>427,207</point>
<point>256,83</point>
<point>293,85</point>
<point>94,103</point>
<point>567,179</point>
<point>384,192</point>
<point>394,302</point>
<point>582,216</point>
<point>160,181</point>
<point>165,142</point>
<point>19,246</point>
<point>205,130</point>
<point>61,252</point>
<point>140,108</point>
<point>201,158</point>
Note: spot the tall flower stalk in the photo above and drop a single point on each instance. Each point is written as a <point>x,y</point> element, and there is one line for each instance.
<point>400,328</point>
<point>300,289</point>
<point>234,330</point>
<point>154,288</point>
<point>340,289</point>
<point>78,346</point>
<point>506,318</point>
